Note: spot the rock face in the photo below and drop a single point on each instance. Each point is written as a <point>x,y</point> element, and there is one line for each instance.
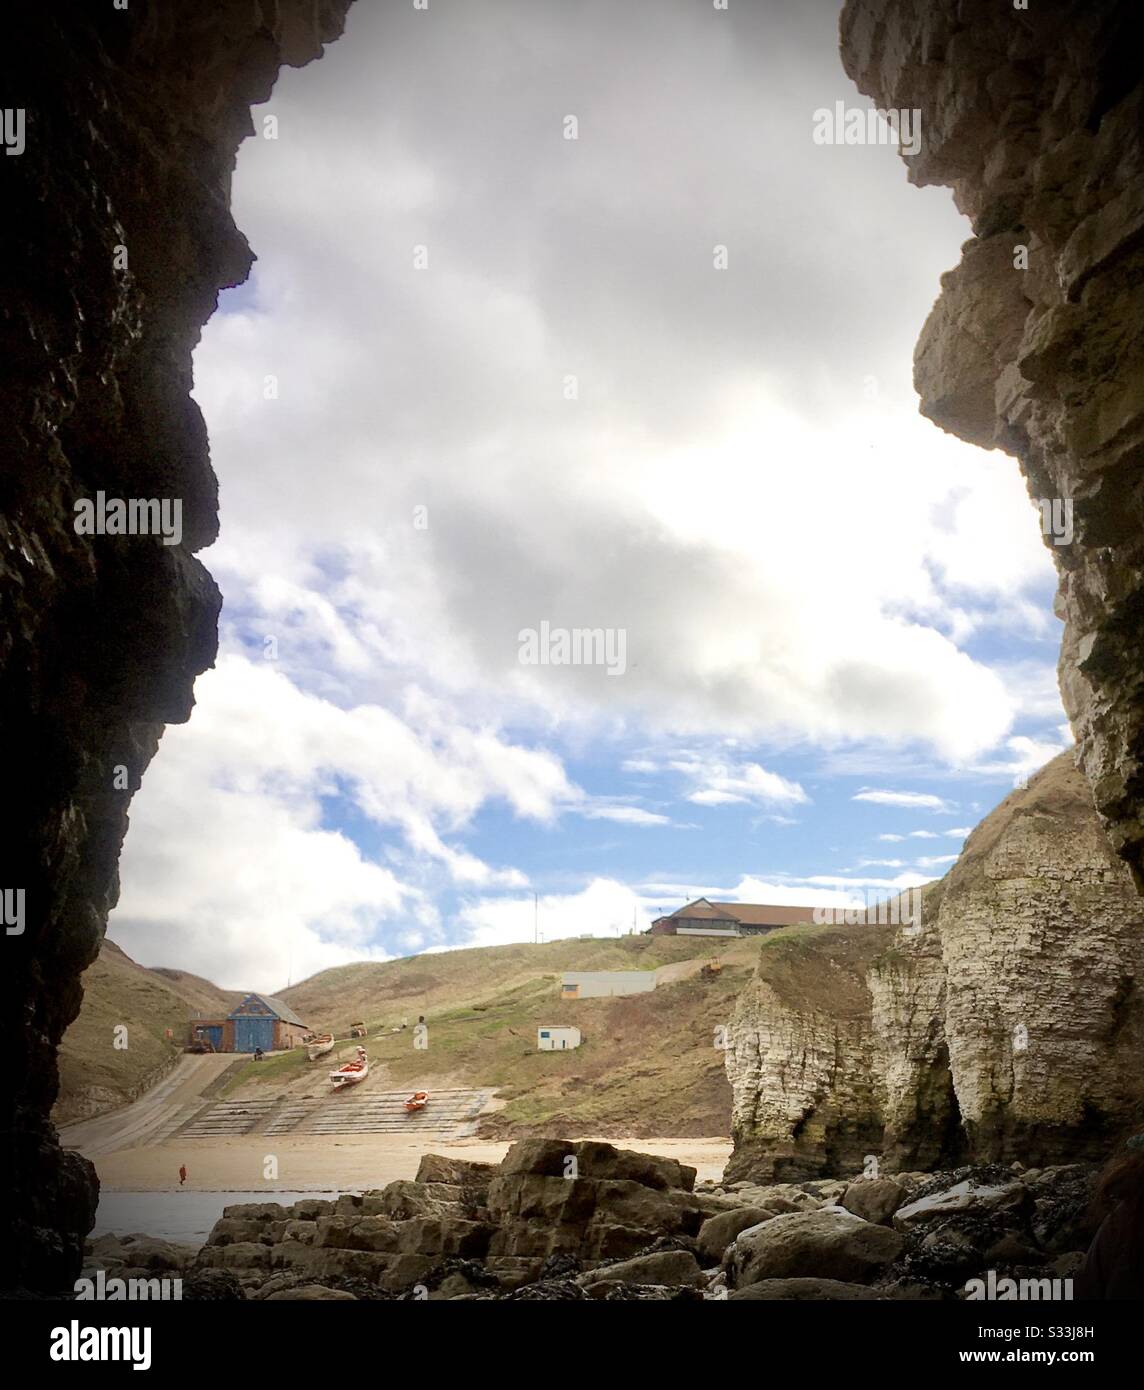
<point>802,1059</point>
<point>1035,118</point>
<point>117,240</point>
<point>1010,1026</point>
<point>1040,950</point>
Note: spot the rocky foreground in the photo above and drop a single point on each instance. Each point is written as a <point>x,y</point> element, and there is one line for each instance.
<point>559,1220</point>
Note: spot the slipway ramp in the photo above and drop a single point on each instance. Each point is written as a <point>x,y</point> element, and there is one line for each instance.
<point>450,1114</point>
<point>183,1093</point>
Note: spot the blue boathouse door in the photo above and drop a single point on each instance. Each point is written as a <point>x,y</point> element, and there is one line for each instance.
<point>250,1033</point>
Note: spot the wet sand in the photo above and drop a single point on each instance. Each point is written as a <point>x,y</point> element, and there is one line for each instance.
<point>344,1162</point>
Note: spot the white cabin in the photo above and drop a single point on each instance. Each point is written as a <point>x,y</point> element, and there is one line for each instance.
<point>557,1039</point>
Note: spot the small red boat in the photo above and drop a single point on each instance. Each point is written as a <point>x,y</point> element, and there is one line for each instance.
<point>416,1101</point>
<point>351,1072</point>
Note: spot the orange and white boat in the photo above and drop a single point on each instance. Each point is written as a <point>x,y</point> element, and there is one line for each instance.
<point>416,1101</point>
<point>351,1072</point>
<point>318,1044</point>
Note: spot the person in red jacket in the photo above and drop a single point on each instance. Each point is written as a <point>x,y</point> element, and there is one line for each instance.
<point>1114,1265</point>
<point>182,1174</point>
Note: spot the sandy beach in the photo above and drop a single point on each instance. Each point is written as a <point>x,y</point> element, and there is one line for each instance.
<point>345,1162</point>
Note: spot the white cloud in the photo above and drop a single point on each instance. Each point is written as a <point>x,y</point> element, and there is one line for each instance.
<point>251,887</point>
<point>626,815</point>
<point>603,908</point>
<point>1026,755</point>
<point>717,783</point>
<point>915,801</point>
<point>667,504</point>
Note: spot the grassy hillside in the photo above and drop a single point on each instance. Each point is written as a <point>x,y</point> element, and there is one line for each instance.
<point>648,1064</point>
<point>94,1074</point>
<point>385,993</point>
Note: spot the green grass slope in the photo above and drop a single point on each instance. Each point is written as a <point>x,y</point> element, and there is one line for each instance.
<point>95,1074</point>
<point>649,1065</point>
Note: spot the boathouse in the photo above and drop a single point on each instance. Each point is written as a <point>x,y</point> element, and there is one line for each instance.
<point>260,1021</point>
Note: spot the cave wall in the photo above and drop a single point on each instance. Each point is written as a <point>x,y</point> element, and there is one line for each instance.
<point>1034,117</point>
<point>132,120</point>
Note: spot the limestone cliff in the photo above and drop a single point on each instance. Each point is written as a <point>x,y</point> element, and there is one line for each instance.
<point>800,1056</point>
<point>1009,1027</point>
<point>116,239</point>
<point>1035,118</point>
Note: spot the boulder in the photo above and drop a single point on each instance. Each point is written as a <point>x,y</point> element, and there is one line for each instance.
<point>402,1199</point>
<point>310,1208</point>
<point>535,1196</point>
<point>603,1161</point>
<point>828,1244</point>
<point>259,1211</point>
<point>717,1232</point>
<point>304,1232</point>
<point>427,1236</point>
<point>664,1267</point>
<point>826,1189</point>
<point>548,1158</point>
<point>243,1255</point>
<point>463,1172</point>
<point>323,1265</point>
<point>103,1247</point>
<point>1010,1249</point>
<point>231,1230</point>
<point>376,1233</point>
<point>1011,1199</point>
<point>560,1158</point>
<point>873,1199</point>
<point>150,1253</point>
<point>778,1197</point>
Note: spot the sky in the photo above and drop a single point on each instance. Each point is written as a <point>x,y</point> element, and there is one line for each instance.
<point>562,320</point>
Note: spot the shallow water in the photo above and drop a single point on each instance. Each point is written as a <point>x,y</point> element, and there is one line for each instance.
<point>184,1216</point>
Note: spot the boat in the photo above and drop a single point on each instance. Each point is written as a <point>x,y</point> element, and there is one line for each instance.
<point>351,1072</point>
<point>416,1101</point>
<point>318,1044</point>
